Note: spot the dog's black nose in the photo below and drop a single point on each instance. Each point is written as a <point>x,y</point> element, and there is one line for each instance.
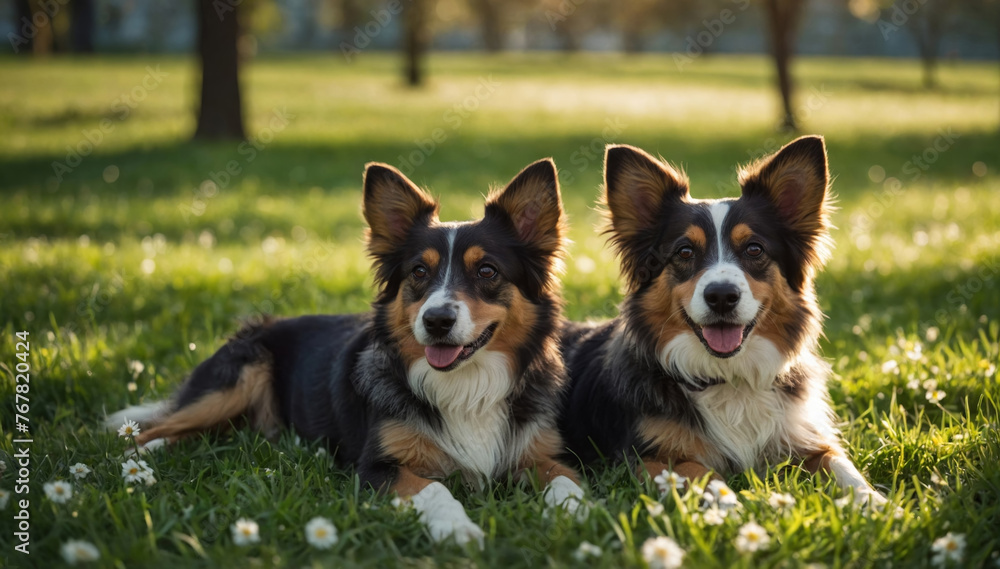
<point>439,320</point>
<point>722,297</point>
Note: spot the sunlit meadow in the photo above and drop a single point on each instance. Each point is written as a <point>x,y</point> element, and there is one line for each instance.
<point>129,256</point>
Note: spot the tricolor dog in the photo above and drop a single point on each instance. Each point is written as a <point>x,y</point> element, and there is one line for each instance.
<point>712,365</point>
<point>456,369</point>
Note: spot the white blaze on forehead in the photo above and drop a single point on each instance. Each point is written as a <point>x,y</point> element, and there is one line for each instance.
<point>463,331</point>
<point>725,270</point>
<point>719,210</point>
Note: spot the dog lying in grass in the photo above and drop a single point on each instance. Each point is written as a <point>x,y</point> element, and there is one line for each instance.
<point>712,366</point>
<point>456,368</point>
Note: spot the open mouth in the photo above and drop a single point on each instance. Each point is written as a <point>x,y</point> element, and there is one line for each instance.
<point>721,339</point>
<point>445,357</point>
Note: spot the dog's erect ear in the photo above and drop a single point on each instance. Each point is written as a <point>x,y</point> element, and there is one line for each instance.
<point>532,206</point>
<point>636,188</point>
<point>794,180</point>
<point>392,206</point>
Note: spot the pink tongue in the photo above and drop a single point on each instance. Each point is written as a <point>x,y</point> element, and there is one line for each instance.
<point>442,356</point>
<point>722,338</point>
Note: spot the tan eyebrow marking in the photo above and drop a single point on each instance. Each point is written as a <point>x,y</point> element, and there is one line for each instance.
<point>741,233</point>
<point>431,258</point>
<point>472,256</point>
<point>696,235</point>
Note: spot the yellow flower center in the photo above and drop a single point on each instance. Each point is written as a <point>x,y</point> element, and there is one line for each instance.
<point>321,532</point>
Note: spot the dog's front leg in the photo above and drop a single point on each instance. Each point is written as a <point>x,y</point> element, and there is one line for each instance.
<point>443,515</point>
<point>846,474</point>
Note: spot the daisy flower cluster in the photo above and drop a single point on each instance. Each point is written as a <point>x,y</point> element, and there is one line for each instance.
<point>319,531</point>
<point>138,471</point>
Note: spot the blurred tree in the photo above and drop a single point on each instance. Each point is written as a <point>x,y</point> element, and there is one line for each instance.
<point>416,37</point>
<point>22,42</point>
<point>491,23</point>
<point>783,18</point>
<point>220,114</point>
<point>82,26</point>
<point>570,20</point>
<point>927,25</point>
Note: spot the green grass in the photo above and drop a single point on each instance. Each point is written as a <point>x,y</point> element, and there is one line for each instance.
<point>918,265</point>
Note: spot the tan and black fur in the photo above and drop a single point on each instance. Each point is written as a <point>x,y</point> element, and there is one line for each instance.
<point>712,365</point>
<point>456,368</point>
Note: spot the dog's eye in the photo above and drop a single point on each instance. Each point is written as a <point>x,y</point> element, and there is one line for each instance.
<point>685,253</point>
<point>419,272</point>
<point>754,250</point>
<point>487,271</point>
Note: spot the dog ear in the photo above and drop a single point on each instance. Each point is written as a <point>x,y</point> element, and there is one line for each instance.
<point>794,180</point>
<point>532,206</point>
<point>392,206</point>
<point>636,189</point>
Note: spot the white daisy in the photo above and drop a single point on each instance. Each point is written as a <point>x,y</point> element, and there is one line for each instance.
<point>320,533</point>
<point>935,396</point>
<point>714,516</point>
<point>723,495</point>
<point>669,480</point>
<point>654,509</point>
<point>4,498</point>
<point>780,501</point>
<point>129,429</point>
<point>75,551</point>
<point>136,367</point>
<point>245,532</point>
<point>586,550</point>
<point>132,471</point>
<point>3,467</point>
<point>752,538</point>
<point>662,553</point>
<point>58,491</point>
<point>79,470</point>
<point>950,547</point>
<point>890,367</point>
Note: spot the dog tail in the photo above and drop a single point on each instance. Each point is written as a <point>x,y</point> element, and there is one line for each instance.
<point>235,381</point>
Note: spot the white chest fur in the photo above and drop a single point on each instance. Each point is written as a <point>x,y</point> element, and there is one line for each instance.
<point>472,403</point>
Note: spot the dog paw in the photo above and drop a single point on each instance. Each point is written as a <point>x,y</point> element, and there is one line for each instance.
<point>565,494</point>
<point>463,530</point>
<point>444,516</point>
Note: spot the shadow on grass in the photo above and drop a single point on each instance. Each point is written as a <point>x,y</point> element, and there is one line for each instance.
<point>462,166</point>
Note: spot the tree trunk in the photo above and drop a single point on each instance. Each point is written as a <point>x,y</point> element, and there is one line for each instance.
<point>491,25</point>
<point>220,115</point>
<point>82,25</point>
<point>783,18</point>
<point>414,41</point>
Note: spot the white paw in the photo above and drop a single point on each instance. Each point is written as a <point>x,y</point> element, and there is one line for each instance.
<point>566,494</point>
<point>444,516</point>
<point>463,531</point>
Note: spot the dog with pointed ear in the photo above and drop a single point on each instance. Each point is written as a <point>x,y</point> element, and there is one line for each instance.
<point>456,369</point>
<point>712,366</point>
